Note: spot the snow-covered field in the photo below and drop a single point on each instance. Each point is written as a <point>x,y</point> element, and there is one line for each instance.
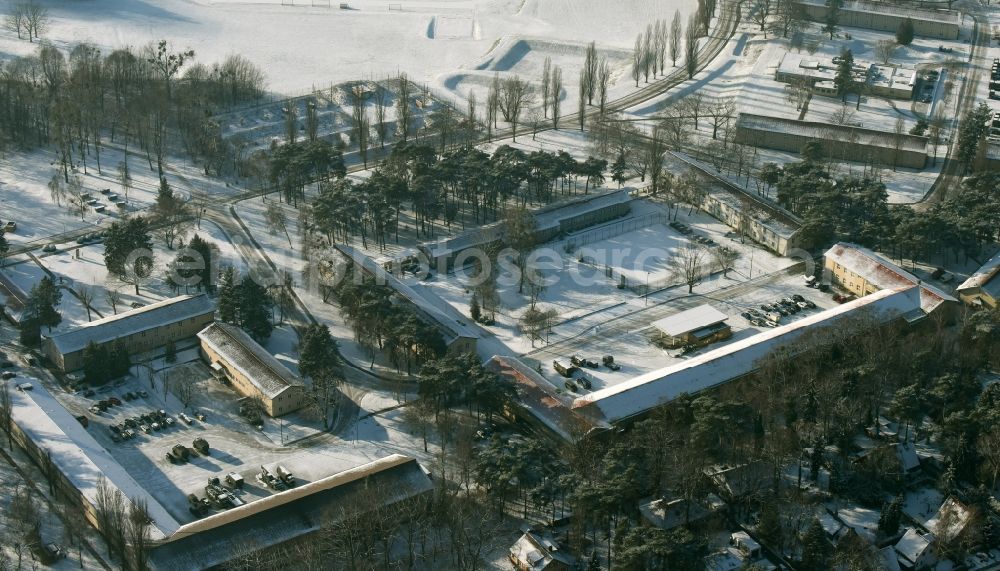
<point>305,46</point>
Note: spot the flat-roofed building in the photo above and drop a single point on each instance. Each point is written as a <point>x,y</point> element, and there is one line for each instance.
<point>838,142</point>
<point>819,73</point>
<point>142,329</point>
<point>693,327</point>
<point>886,17</point>
<point>251,369</point>
<point>863,272</point>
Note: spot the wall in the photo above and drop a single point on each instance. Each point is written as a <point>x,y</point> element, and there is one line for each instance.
<point>837,150</point>
<point>287,401</point>
<point>884,22</point>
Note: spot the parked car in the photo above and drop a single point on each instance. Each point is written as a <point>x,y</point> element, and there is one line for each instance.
<point>49,248</point>
<point>584,382</point>
<point>609,362</point>
<point>570,386</point>
<point>8,375</point>
<point>114,401</point>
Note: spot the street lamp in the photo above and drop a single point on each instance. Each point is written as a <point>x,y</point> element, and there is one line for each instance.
<point>647,289</point>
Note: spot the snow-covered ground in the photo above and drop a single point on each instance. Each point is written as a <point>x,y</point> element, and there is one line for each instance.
<point>303,46</point>
<point>744,73</point>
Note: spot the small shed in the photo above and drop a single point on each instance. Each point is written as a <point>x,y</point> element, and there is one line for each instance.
<point>694,327</point>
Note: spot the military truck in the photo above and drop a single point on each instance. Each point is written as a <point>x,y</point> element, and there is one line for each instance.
<point>285,475</point>
<point>201,445</point>
<point>179,454</point>
<point>234,480</point>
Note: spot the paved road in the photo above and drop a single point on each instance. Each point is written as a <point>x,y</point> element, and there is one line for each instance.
<point>952,171</point>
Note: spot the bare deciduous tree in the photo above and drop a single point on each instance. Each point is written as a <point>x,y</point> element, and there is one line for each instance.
<point>86,296</point>
<point>691,46</point>
<point>557,87</point>
<point>884,50</point>
<point>515,94</point>
<point>404,114</point>
<point>546,85</point>
<point>674,43</point>
<point>687,265</point>
<point>113,297</point>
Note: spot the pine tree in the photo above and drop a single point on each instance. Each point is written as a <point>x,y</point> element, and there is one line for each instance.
<point>170,352</point>
<point>95,364</point>
<point>229,303</point>
<point>844,79</point>
<point>206,250</point>
<point>126,238</point>
<point>42,302</point>
<point>4,247</point>
<point>254,311</point>
<point>619,170</point>
<point>889,519</point>
<point>475,312</point>
<point>318,351</point>
<point>904,34</point>
<point>815,548</point>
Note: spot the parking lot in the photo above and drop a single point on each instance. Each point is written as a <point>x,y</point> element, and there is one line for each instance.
<point>752,307</point>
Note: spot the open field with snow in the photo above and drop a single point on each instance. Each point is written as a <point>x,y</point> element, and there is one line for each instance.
<point>302,46</point>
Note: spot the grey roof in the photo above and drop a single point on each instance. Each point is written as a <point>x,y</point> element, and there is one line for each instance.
<point>454,326</point>
<point>545,218</point>
<point>690,320</point>
<point>77,455</point>
<point>284,516</point>
<point>154,315</point>
<point>244,354</point>
<point>831,132</point>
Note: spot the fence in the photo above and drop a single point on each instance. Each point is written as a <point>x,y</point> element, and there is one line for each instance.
<point>613,229</point>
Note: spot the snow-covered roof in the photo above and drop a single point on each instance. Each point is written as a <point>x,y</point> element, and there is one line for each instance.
<point>883,274</point>
<point>985,277</point>
<point>212,541</point>
<point>550,216</point>
<point>77,455</point>
<point>690,320</point>
<point>454,327</point>
<point>164,312</point>
<point>907,454</point>
<point>667,515</point>
<point>536,552</point>
<point>912,546</point>
<point>828,131</point>
<point>889,559</point>
<point>734,360</point>
<point>244,354</point>
<point>950,519</point>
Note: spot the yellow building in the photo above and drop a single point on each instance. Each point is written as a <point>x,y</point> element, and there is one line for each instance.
<point>982,287</point>
<point>863,272</point>
<point>143,329</point>
<point>251,370</point>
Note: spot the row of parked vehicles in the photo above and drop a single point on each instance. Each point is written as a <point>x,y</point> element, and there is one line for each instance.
<point>770,314</point>
<point>147,423</point>
<point>179,454</point>
<point>575,377</point>
<point>220,493</point>
<point>687,231</point>
<point>279,479</point>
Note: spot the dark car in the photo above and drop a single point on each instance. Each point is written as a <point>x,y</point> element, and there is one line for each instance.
<point>114,401</point>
